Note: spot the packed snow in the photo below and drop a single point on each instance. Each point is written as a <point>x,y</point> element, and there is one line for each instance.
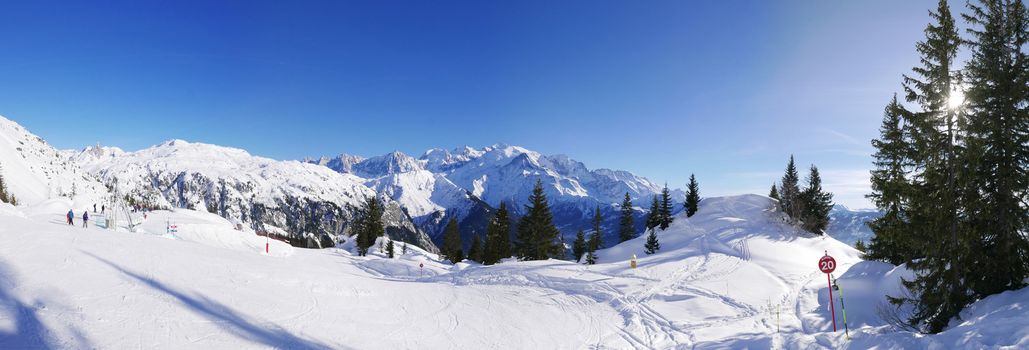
<point>733,276</point>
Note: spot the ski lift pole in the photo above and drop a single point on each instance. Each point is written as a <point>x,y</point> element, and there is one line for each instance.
<point>843,308</point>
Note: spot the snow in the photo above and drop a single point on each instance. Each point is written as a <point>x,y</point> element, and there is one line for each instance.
<point>733,276</point>
<point>266,178</point>
<point>36,172</point>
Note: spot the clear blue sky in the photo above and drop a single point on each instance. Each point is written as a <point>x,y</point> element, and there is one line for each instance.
<point>723,89</point>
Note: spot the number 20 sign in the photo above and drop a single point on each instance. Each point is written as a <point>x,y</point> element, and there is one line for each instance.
<point>827,264</point>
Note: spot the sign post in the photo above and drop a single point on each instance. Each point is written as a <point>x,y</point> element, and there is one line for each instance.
<point>827,265</point>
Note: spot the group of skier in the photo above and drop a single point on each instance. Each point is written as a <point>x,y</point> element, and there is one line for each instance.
<point>70,217</point>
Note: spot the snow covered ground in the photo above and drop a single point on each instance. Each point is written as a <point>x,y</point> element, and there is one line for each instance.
<point>733,276</point>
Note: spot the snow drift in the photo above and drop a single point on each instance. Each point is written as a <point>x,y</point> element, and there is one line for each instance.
<point>733,276</point>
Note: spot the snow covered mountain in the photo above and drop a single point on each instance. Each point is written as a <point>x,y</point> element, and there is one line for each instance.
<point>430,199</point>
<point>288,198</point>
<point>849,226</point>
<point>456,183</point>
<point>36,172</point>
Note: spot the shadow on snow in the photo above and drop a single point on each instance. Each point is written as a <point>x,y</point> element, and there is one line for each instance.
<point>29,332</point>
<point>227,318</point>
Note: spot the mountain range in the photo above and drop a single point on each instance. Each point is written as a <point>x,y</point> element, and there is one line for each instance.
<point>312,202</point>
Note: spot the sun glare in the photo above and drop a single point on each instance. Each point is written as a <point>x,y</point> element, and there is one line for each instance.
<point>956,98</point>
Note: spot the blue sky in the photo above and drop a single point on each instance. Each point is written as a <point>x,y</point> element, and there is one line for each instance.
<point>724,89</point>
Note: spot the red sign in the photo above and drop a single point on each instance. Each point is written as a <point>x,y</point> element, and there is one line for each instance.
<point>827,264</point>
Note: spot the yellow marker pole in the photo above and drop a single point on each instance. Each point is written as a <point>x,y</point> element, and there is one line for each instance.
<point>842,307</point>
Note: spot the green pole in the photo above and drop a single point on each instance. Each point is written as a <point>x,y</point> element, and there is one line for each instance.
<point>842,307</point>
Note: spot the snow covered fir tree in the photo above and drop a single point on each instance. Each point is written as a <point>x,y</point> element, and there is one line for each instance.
<point>328,198</point>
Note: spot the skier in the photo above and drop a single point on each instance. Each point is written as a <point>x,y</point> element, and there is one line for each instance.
<point>103,208</point>
<point>94,207</point>
<point>85,218</point>
<point>71,217</point>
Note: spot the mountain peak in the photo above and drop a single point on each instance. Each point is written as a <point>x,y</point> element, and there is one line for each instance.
<point>391,163</point>
<point>174,143</point>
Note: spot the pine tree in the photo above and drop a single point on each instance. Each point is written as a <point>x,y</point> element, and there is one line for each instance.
<point>369,225</point>
<point>626,224</point>
<point>997,146</point>
<point>938,289</point>
<point>597,221</point>
<point>537,235</point>
<point>390,250</point>
<point>892,241</point>
<point>692,196</point>
<point>774,193</point>
<point>789,191</point>
<point>403,248</point>
<point>452,245</point>
<point>591,258</point>
<point>592,244</point>
<point>498,241</point>
<point>666,208</point>
<point>654,216</point>
<point>816,204</point>
<point>860,246</point>
<point>475,251</point>
<point>579,245</point>
<point>4,197</point>
<point>652,245</point>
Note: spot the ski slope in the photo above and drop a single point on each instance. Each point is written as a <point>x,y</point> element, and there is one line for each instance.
<point>733,276</point>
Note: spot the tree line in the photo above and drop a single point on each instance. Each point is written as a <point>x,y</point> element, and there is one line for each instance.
<point>536,236</point>
<point>951,176</point>
<point>807,207</point>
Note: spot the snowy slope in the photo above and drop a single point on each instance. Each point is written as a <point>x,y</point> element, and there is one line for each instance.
<point>36,172</point>
<point>279,196</point>
<point>733,276</point>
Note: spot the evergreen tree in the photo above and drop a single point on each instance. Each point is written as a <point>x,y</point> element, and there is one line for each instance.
<point>626,224</point>
<point>666,208</point>
<point>369,225</point>
<point>498,240</point>
<point>390,250</point>
<point>938,290</point>
<point>692,196</point>
<point>789,191</point>
<point>817,204</point>
<point>452,245</point>
<point>579,245</point>
<point>591,258</point>
<point>774,193</point>
<point>597,221</point>
<point>592,244</point>
<point>860,246</point>
<point>403,248</point>
<point>652,244</point>
<point>892,241</point>
<point>4,196</point>
<point>654,216</point>
<point>997,146</point>
<point>537,235</point>
<point>475,251</point>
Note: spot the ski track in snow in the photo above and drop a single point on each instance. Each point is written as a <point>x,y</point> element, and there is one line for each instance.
<point>718,282</point>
